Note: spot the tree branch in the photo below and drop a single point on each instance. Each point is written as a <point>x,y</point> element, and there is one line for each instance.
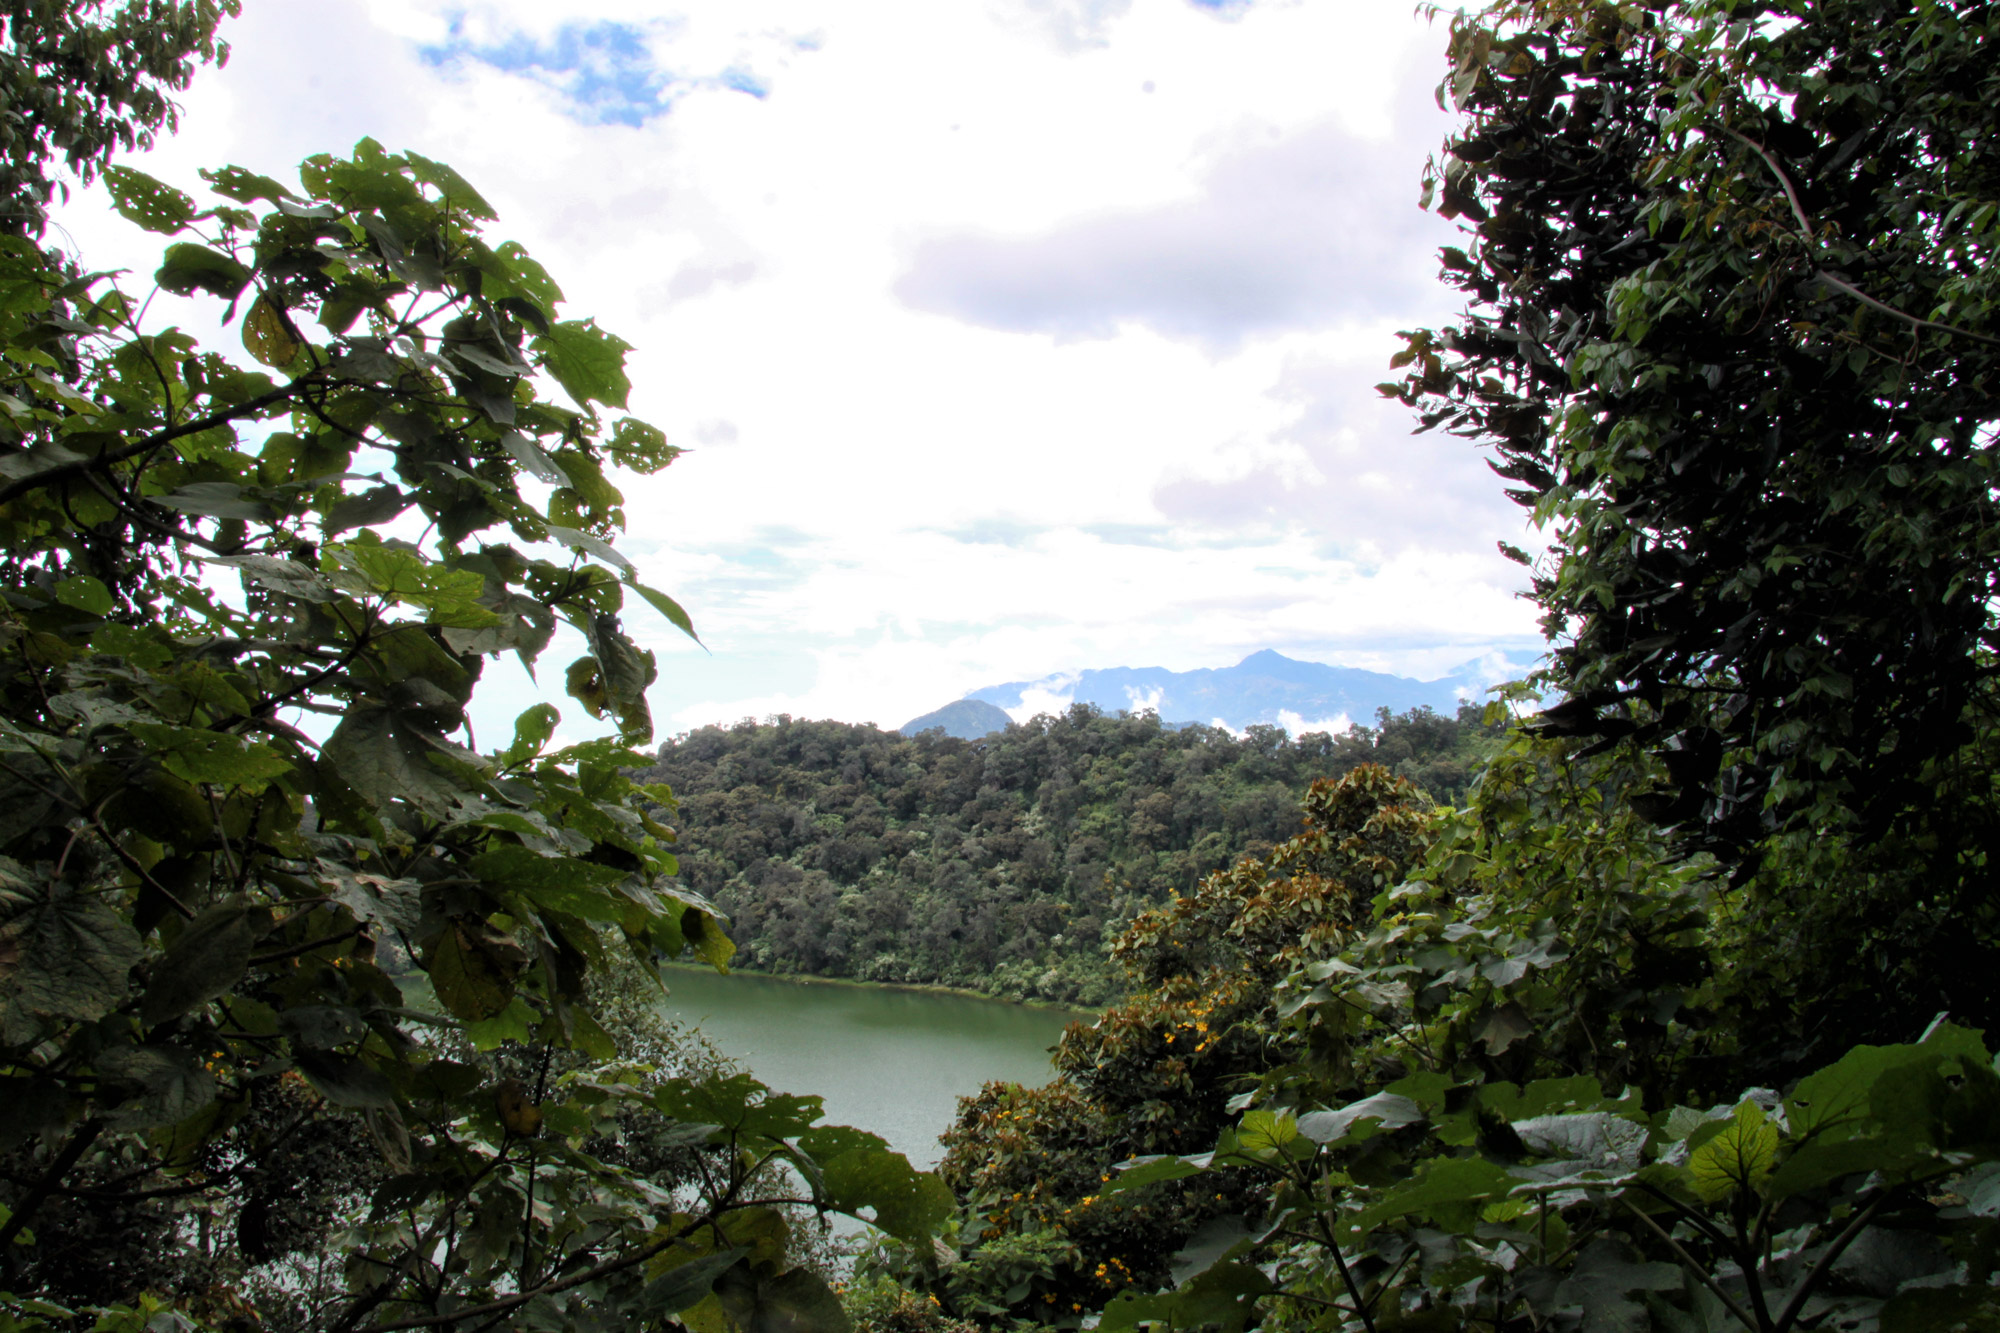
<point>154,441</point>
<point>1699,1271</point>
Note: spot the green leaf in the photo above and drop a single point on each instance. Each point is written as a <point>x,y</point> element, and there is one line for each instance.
<point>532,457</point>
<point>382,760</point>
<point>639,446</point>
<point>244,186</point>
<point>557,883</point>
<point>63,954</point>
<point>85,594</point>
<point>188,268</point>
<point>472,968</point>
<point>907,1203</point>
<point>457,193</point>
<point>667,607</point>
<point>597,546</point>
<point>686,1283</point>
<point>588,362</point>
<point>1943,1310</point>
<point>1384,1110</point>
<point>795,1301</point>
<point>150,203</point>
<point>1449,1191</point>
<point>1740,1157</point>
<point>1601,1285</point>
<point>367,509</point>
<point>1225,1296</point>
<point>451,596</point>
<point>1138,1171</point>
<point>218,758</point>
<point>209,957</point>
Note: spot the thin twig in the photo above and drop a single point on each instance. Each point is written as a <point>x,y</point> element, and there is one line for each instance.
<point>1812,244</point>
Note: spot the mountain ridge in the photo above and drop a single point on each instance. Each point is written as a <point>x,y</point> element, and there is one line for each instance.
<point>1266,688</point>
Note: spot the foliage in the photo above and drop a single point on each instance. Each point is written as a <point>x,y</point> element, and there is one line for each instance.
<point>1156,1073</point>
<point>1866,1196</point>
<point>79,83</point>
<point>882,1305</point>
<point>1005,865</point>
<point>1732,335</point>
<point>247,846</point>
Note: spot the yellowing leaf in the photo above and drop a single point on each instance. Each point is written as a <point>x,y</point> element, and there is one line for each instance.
<point>266,337</point>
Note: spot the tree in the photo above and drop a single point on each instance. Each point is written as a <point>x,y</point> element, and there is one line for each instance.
<point>247,845</point>
<point>78,83</point>
<point>1157,1073</point>
<point>1732,335</point>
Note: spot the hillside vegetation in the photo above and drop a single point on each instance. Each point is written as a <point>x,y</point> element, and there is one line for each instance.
<point>1002,865</point>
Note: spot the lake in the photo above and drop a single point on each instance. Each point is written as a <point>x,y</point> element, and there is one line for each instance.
<point>894,1062</point>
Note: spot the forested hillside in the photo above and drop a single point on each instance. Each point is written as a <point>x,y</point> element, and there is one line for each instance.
<point>1003,864</point>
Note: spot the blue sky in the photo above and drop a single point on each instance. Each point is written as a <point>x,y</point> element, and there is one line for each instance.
<point>1007,337</point>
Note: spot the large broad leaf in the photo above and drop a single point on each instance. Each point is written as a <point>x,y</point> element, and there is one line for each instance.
<point>1740,1157</point>
<point>739,1103</point>
<point>150,203</point>
<point>1836,1098</point>
<point>472,968</point>
<point>456,191</point>
<point>63,954</point>
<point>292,578</point>
<point>558,883</point>
<point>1225,1296</point>
<point>188,268</point>
<point>1359,1120</point>
<point>686,1283</point>
<point>209,957</point>
<point>218,758</point>
<point>907,1203</point>
<point>1139,1171</point>
<point>588,362</point>
<point>1450,1192</point>
<point>164,1085</point>
<point>381,760</point>
<point>796,1301</point>
<point>1602,1284</point>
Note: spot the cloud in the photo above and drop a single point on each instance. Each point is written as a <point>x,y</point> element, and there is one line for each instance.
<point>1304,233</point>
<point>608,72</point>
<point>694,280</point>
<point>1348,466</point>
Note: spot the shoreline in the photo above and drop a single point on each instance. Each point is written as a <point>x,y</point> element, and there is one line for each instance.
<point>920,987</point>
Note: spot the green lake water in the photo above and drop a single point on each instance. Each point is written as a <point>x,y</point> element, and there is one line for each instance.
<point>894,1062</point>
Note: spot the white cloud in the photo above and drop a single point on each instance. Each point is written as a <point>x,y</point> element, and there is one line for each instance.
<point>882,508</point>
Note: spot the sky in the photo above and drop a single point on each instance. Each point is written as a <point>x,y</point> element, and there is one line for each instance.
<point>1006,337</point>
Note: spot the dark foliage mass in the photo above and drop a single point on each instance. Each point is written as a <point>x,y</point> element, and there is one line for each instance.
<point>80,79</point>
<point>1730,298</point>
<point>1006,864</point>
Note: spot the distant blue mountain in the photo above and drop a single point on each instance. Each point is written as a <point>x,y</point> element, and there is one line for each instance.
<point>1258,689</point>
<point>967,719</point>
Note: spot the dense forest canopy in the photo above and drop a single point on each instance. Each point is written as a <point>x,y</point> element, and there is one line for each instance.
<point>1004,864</point>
